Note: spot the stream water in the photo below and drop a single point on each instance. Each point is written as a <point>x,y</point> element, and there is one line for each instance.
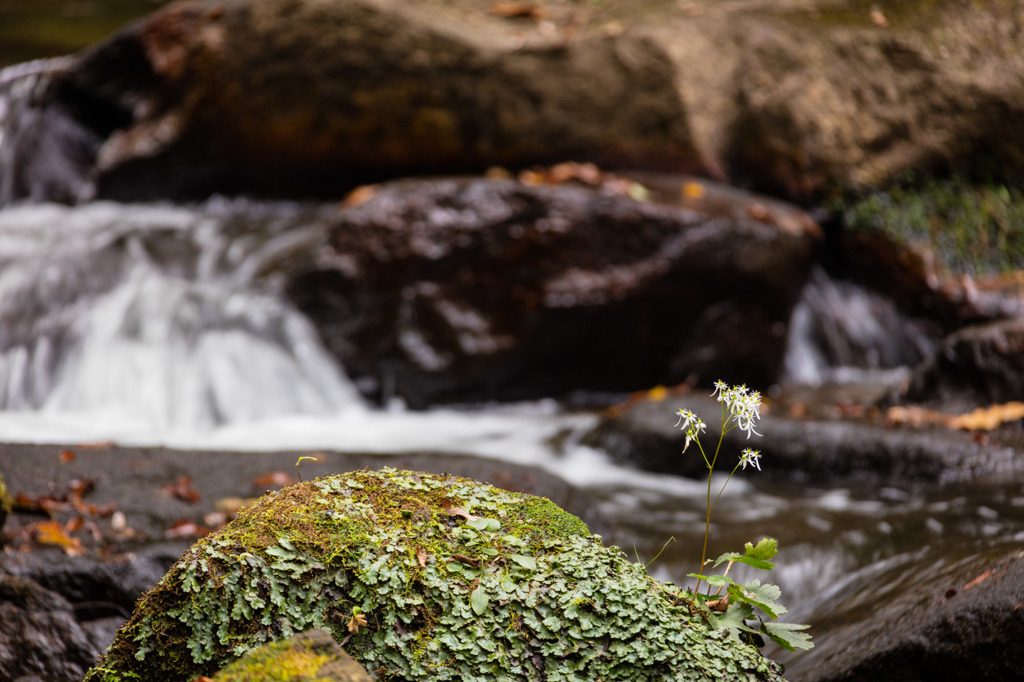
<point>159,324</point>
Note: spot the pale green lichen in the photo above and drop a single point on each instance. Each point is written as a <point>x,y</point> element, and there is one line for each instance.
<point>457,580</point>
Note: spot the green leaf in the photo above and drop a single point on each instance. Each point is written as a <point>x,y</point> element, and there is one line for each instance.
<point>758,556</point>
<point>524,561</point>
<point>761,596</point>
<point>483,524</point>
<point>713,580</point>
<point>788,635</point>
<point>478,600</point>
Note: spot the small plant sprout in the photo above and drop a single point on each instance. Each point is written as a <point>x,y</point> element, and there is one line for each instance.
<point>298,465</point>
<point>741,409</point>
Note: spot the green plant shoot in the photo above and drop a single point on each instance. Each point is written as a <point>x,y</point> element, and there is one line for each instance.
<point>741,409</point>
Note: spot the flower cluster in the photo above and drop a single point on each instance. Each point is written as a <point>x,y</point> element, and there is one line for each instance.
<point>743,405</point>
<point>690,423</point>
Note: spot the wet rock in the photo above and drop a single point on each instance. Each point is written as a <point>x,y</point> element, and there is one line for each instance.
<point>975,367</point>
<point>963,624</point>
<point>39,635</point>
<point>297,658</point>
<point>816,450</point>
<point>458,290</point>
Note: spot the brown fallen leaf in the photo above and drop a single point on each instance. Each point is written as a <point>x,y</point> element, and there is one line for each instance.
<point>511,9</point>
<point>355,622</point>
<point>916,416</point>
<point>459,511</point>
<point>182,490</point>
<point>360,195</point>
<point>185,528</point>
<point>421,557</point>
<point>67,456</point>
<point>273,479</point>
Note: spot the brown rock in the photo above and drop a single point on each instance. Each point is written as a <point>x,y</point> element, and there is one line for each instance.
<point>455,290</point>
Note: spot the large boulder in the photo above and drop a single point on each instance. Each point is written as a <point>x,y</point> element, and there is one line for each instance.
<point>301,97</point>
<point>423,578</point>
<point>456,290</point>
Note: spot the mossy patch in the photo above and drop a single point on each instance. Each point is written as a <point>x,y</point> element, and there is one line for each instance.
<point>976,228</point>
<point>455,579</point>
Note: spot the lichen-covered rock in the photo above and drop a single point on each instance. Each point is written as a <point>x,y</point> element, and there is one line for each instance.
<point>423,577</point>
<point>313,656</point>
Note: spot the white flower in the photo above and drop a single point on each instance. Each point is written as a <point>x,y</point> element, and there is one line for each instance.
<point>690,423</point>
<point>720,388</point>
<point>751,457</point>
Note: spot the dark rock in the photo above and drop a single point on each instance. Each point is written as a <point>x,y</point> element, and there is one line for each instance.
<point>812,450</point>
<point>297,658</point>
<point>965,624</point>
<point>458,290</point>
<point>974,367</point>
<point>39,635</point>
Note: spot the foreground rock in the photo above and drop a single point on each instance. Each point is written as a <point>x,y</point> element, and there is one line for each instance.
<point>424,578</point>
<point>457,290</point>
<point>65,601</point>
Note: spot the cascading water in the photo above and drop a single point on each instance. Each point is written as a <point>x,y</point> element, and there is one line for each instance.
<point>153,314</point>
<point>841,332</point>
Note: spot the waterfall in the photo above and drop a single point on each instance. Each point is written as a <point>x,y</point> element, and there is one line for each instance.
<point>841,332</point>
<point>159,314</point>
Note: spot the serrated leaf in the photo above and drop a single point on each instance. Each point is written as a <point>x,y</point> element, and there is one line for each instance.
<point>478,600</point>
<point>761,596</point>
<point>758,556</point>
<point>788,635</point>
<point>728,556</point>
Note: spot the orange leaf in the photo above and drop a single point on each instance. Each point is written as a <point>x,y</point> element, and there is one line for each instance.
<point>274,479</point>
<point>988,418</point>
<point>52,533</point>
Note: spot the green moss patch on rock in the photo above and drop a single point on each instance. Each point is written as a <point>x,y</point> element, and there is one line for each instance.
<point>976,228</point>
<point>422,577</point>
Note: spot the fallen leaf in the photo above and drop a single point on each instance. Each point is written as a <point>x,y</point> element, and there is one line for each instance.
<point>274,479</point>
<point>185,528</point>
<point>360,195</point>
<point>182,490</point>
<point>52,533</point>
<point>982,578</point>
<point>231,505</point>
<point>988,418</point>
<point>878,19</point>
<point>67,456</point>
<point>916,416</point>
<point>516,10</point>
<point>459,511</point>
<point>694,190</point>
<point>421,557</point>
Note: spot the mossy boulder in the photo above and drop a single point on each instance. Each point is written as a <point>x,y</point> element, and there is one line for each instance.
<point>422,577</point>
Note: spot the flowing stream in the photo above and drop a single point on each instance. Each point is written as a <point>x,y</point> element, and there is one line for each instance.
<point>159,324</point>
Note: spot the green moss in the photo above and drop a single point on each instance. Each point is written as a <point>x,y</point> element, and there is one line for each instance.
<point>277,661</point>
<point>976,228</point>
<point>456,580</point>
